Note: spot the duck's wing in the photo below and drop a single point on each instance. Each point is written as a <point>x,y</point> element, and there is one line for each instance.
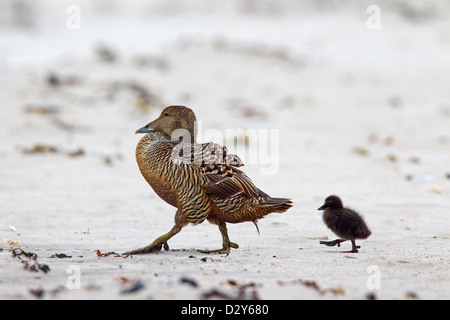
<point>223,178</point>
<point>232,183</point>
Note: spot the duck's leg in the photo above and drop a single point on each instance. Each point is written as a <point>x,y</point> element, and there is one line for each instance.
<point>226,243</point>
<point>332,243</point>
<point>158,243</point>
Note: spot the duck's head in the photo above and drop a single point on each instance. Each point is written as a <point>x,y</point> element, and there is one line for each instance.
<point>332,202</point>
<point>176,122</point>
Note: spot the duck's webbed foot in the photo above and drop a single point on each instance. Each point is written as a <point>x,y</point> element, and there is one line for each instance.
<point>153,247</point>
<point>226,243</point>
<point>225,249</point>
<point>332,243</point>
<point>158,244</point>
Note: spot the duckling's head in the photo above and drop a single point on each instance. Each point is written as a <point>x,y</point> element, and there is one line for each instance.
<point>332,202</point>
<point>176,122</point>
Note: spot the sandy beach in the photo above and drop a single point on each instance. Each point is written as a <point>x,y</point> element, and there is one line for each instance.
<point>316,99</point>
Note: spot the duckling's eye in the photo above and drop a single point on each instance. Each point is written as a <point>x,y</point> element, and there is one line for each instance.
<point>166,114</point>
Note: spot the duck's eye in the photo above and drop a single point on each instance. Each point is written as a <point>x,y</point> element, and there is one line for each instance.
<point>166,114</point>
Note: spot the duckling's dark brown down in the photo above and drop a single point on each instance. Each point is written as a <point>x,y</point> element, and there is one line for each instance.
<point>344,222</point>
<point>201,180</point>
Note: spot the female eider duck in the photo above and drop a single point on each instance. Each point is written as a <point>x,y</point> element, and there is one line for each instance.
<point>201,180</point>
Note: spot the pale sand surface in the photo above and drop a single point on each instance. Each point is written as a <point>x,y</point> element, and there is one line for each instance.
<point>359,113</point>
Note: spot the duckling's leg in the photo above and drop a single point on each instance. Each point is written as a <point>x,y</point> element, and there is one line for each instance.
<point>354,247</point>
<point>226,243</point>
<point>158,243</point>
<point>332,243</point>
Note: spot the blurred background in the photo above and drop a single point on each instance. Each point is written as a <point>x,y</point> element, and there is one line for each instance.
<point>341,81</point>
<point>359,91</point>
<point>72,71</point>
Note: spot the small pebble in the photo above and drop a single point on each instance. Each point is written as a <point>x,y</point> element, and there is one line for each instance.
<point>437,189</point>
<point>361,151</point>
<point>415,159</point>
<point>393,157</point>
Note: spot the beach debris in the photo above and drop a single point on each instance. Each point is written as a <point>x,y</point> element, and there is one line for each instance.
<point>130,285</point>
<point>12,228</point>
<point>40,148</point>
<point>41,109</point>
<point>362,151</point>
<point>315,286</point>
<point>157,62</point>
<point>29,259</point>
<point>371,296</point>
<point>144,99</point>
<point>138,285</point>
<point>246,291</point>
<point>64,125</point>
<point>392,157</point>
<point>13,243</point>
<point>415,159</point>
<point>60,256</point>
<point>410,295</point>
<point>189,281</point>
<point>40,293</point>
<point>76,153</point>
<point>389,141</point>
<point>253,112</point>
<point>437,189</point>
<point>37,293</point>
<point>111,253</point>
<point>100,254</point>
<point>54,80</point>
<point>254,50</point>
<point>395,102</point>
<point>375,138</point>
<point>105,53</point>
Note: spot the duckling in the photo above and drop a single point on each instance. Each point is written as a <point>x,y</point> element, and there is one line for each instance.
<point>344,222</point>
<point>201,180</point>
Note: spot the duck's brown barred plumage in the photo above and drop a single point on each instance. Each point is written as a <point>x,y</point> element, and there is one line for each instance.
<point>201,180</point>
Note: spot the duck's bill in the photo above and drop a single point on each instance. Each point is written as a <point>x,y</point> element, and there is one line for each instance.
<point>145,129</point>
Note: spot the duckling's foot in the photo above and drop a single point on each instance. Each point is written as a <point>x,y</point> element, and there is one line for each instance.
<point>159,243</point>
<point>332,243</point>
<point>354,247</point>
<point>352,251</point>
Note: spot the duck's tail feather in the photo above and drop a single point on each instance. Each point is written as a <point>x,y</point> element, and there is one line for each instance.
<point>276,204</point>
